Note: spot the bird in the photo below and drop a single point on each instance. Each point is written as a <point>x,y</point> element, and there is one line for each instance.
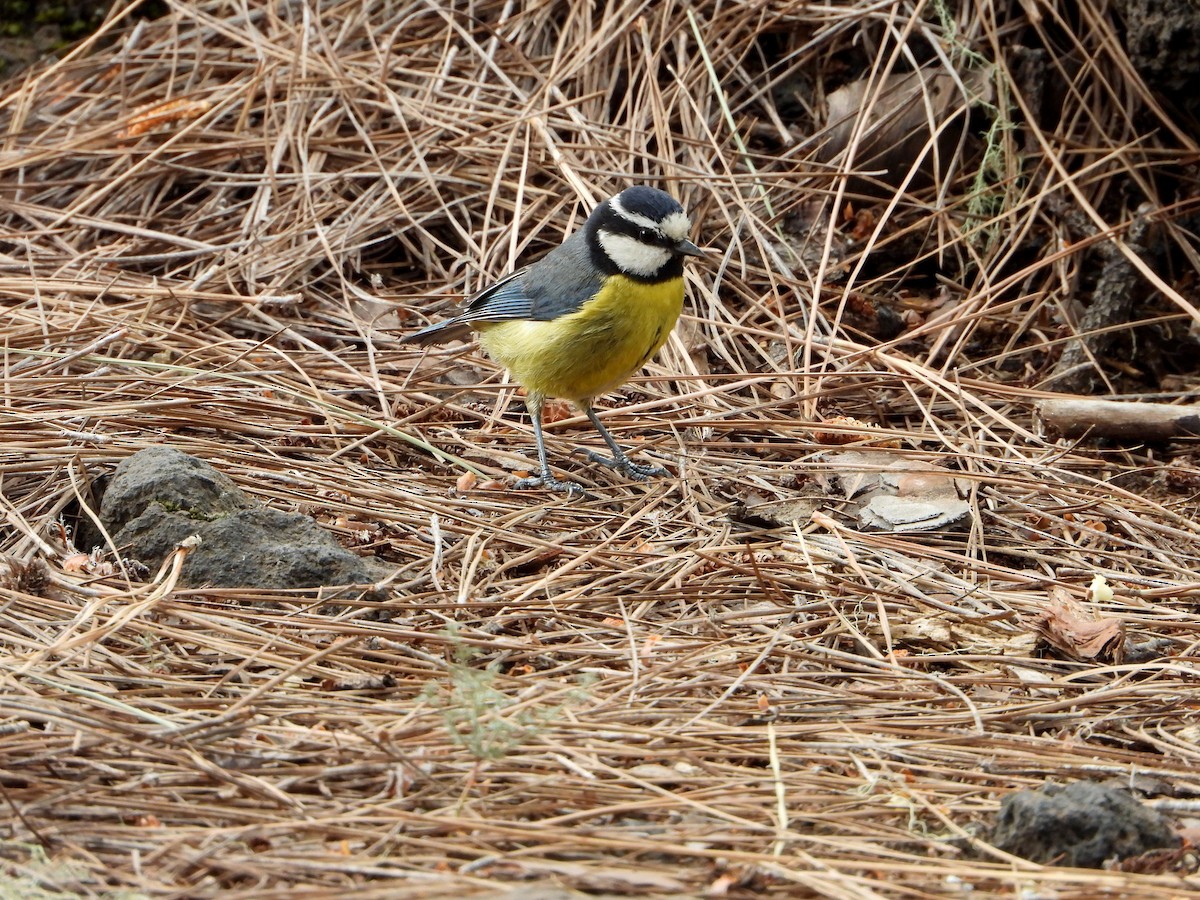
<point>579,321</point>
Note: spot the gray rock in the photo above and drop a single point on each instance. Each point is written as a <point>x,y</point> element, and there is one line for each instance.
<point>1083,824</point>
<point>173,481</point>
<point>1162,38</point>
<point>160,496</point>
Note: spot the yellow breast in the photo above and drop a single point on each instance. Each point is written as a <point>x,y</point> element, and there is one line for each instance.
<point>594,349</point>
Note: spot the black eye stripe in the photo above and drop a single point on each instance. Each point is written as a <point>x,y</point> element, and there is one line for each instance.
<point>620,225</point>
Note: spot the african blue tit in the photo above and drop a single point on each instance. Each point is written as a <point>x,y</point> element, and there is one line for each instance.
<point>581,320</point>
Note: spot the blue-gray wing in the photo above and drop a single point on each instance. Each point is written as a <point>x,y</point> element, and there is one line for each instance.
<point>557,284</point>
<point>505,299</point>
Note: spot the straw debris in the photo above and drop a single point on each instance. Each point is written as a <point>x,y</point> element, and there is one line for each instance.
<point>217,222</point>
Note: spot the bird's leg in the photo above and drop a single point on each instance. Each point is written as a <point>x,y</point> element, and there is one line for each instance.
<point>619,460</point>
<point>544,479</point>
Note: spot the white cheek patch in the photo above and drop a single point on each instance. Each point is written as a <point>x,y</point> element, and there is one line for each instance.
<point>631,255</point>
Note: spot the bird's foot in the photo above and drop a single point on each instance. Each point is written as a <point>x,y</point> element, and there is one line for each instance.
<point>622,463</point>
<point>548,482</point>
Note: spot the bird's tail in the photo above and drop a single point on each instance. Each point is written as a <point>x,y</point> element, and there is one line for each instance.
<point>450,330</point>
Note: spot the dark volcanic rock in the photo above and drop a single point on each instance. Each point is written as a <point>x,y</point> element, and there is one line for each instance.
<point>160,496</point>
<point>1082,824</point>
<point>173,481</point>
<point>1162,38</point>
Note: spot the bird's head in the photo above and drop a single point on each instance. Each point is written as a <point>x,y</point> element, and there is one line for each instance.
<point>643,232</point>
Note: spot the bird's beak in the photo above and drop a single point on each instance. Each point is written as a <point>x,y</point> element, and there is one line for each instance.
<point>687,248</point>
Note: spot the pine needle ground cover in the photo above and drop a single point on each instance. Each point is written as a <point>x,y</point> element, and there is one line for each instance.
<point>923,221</point>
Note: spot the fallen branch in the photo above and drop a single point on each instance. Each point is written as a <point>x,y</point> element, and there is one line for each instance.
<point>1079,416</point>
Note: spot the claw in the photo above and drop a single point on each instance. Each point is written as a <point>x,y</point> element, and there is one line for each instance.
<point>548,482</point>
<point>625,466</point>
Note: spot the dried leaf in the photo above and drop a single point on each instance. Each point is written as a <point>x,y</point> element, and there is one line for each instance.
<point>945,631</point>
<point>1072,630</point>
<point>774,513</point>
<point>902,514</point>
<point>894,492</point>
<point>902,113</point>
<point>556,411</point>
<point>162,114</point>
<point>848,430</point>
